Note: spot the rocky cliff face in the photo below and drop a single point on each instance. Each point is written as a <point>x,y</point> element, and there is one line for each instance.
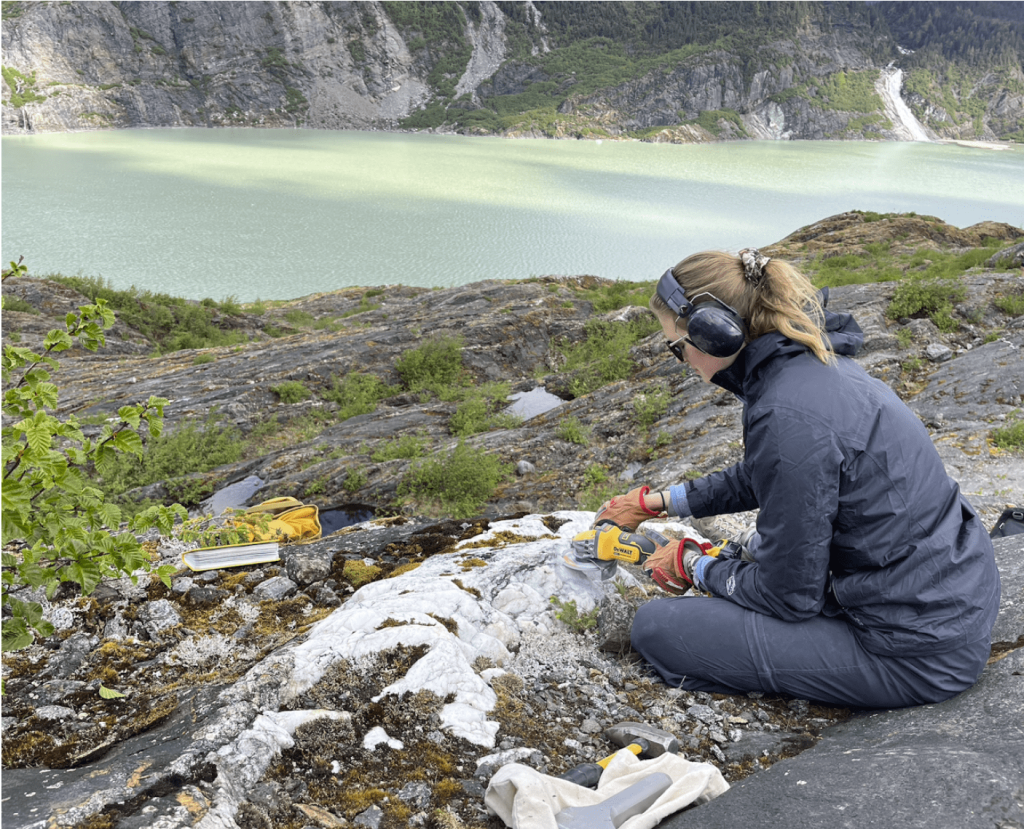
<point>371,65</point>
<point>327,65</point>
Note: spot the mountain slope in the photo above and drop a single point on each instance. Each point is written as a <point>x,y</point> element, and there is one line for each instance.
<point>658,71</point>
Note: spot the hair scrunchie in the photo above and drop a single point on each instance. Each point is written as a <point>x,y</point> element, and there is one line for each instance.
<point>753,265</point>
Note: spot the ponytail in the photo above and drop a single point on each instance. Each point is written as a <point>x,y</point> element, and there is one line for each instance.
<point>787,302</point>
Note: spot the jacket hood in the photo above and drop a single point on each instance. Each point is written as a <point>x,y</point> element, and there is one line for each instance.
<point>842,331</point>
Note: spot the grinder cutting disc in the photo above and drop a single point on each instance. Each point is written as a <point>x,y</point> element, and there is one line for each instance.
<point>599,550</point>
<point>582,556</point>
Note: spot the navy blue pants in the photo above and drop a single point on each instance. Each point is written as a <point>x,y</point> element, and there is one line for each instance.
<point>712,644</point>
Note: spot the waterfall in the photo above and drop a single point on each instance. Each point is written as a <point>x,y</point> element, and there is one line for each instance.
<point>905,125</point>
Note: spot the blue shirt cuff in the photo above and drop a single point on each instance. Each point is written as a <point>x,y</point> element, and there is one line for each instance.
<point>698,570</point>
<point>679,503</point>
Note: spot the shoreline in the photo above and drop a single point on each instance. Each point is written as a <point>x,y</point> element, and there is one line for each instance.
<point>978,144</point>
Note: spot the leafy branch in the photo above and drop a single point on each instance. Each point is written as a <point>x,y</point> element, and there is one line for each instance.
<point>64,528</point>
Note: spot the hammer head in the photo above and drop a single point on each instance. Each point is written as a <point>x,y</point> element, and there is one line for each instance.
<point>659,742</point>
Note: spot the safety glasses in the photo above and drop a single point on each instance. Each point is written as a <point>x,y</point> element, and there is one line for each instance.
<point>677,349</point>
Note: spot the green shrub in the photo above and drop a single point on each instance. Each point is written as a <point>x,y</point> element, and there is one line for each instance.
<point>406,446</point>
<point>355,480</point>
<point>435,366</point>
<point>203,359</point>
<point>570,615</point>
<point>300,319</point>
<point>479,411</point>
<point>170,323</point>
<point>193,447</point>
<point>356,394</point>
<point>619,294</point>
<point>460,483</point>
<point>570,429</point>
<point>649,406</point>
<point>597,487</point>
<point>603,356</point>
<point>16,303</point>
<point>1012,304</point>
<point>917,296</point>
<point>1011,436</point>
<point>291,391</point>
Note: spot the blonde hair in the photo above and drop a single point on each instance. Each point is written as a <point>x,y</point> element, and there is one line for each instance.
<point>783,300</point>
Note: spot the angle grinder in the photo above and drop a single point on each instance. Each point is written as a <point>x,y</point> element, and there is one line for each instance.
<point>600,549</point>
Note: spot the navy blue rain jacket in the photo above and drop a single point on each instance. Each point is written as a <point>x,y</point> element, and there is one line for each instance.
<point>858,518</point>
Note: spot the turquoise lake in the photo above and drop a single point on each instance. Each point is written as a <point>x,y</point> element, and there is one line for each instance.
<point>278,214</point>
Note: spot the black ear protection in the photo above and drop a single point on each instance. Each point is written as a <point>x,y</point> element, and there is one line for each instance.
<point>711,325</point>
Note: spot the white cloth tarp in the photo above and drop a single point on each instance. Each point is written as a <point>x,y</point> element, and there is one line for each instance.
<point>526,799</point>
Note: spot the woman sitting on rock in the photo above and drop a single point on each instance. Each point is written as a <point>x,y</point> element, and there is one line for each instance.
<point>870,581</point>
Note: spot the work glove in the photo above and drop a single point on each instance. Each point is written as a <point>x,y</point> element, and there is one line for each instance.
<point>627,511</point>
<point>671,565</point>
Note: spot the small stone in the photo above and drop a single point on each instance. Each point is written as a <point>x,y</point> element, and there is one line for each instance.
<point>415,795</point>
<point>590,726</point>
<point>158,617</point>
<point>704,713</point>
<point>938,353</point>
<point>323,818</point>
<point>182,585</point>
<point>72,653</point>
<point>275,589</point>
<point>54,712</point>
<point>525,468</point>
<point>325,597</point>
<point>306,565</point>
<point>53,692</point>
<point>105,593</point>
<point>206,596</point>
<point>371,818</point>
<point>473,788</point>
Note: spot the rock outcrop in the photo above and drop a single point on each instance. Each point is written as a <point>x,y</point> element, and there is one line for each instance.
<point>379,676</point>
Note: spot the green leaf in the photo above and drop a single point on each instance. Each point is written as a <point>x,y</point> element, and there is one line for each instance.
<point>110,515</point>
<point>39,437</point>
<point>32,574</point>
<point>46,395</point>
<point>165,572</point>
<point>31,612</point>
<point>15,635</point>
<point>57,340</point>
<point>128,442</point>
<point>86,572</point>
<point>132,415</point>
<point>109,693</point>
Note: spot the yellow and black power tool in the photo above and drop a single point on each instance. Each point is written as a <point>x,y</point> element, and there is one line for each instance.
<point>600,549</point>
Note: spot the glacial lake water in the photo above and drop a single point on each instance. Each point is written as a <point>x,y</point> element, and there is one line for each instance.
<point>278,214</point>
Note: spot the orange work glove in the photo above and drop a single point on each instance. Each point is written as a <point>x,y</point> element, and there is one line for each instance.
<point>671,565</point>
<point>627,511</point>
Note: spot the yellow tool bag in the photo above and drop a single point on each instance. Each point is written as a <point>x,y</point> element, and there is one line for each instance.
<point>292,521</point>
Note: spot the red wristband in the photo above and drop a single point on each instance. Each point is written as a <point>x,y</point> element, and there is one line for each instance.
<point>643,491</point>
<point>679,560</point>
